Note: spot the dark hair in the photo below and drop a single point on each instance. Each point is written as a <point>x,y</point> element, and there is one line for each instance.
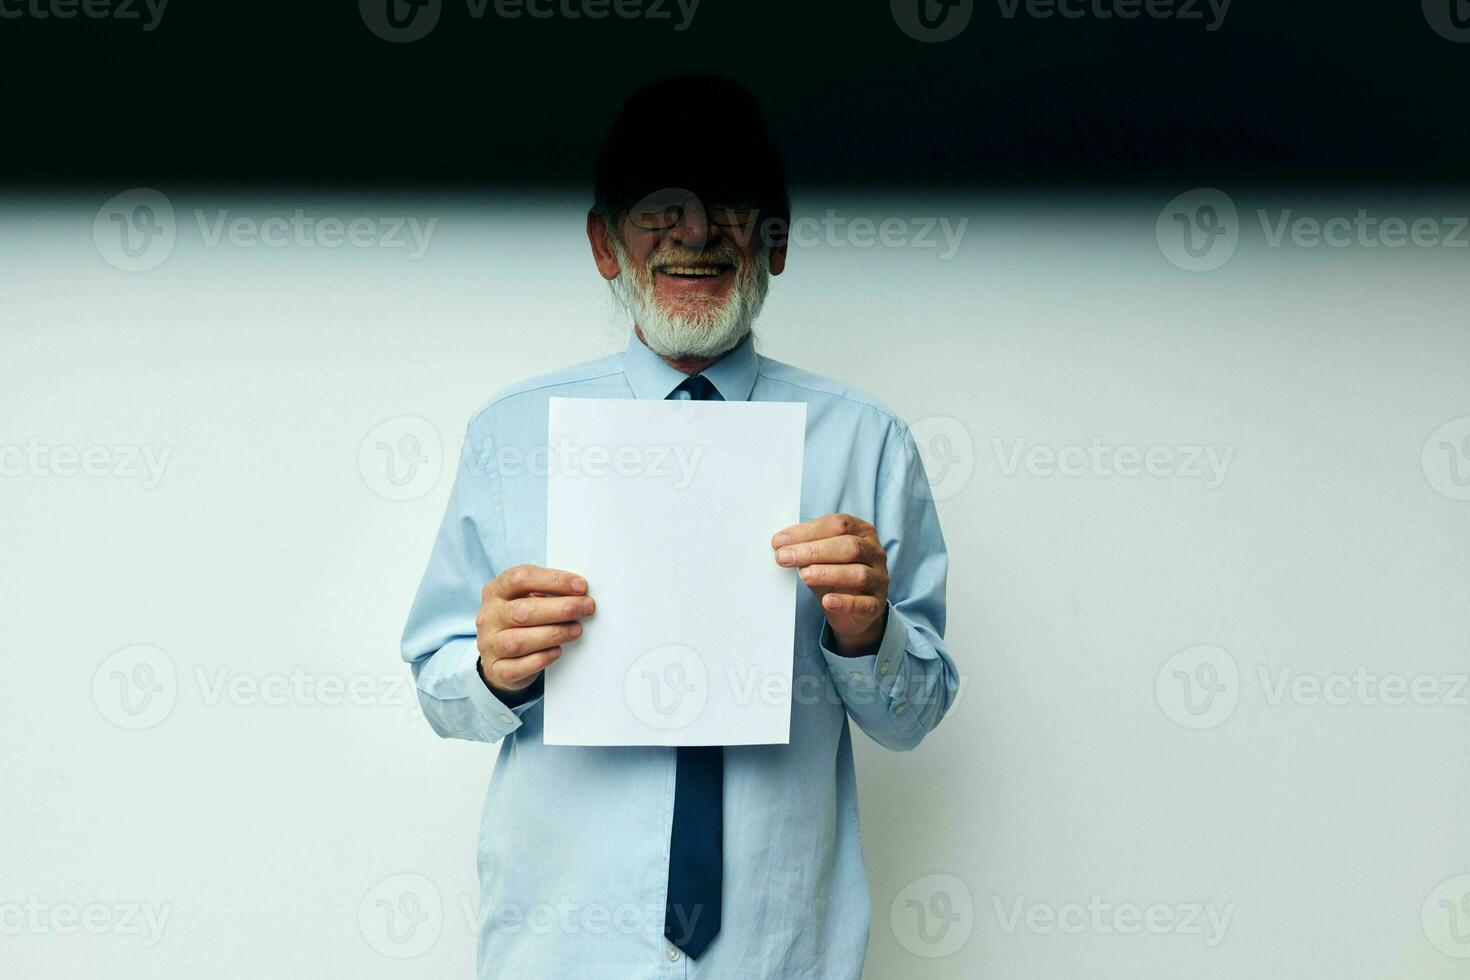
<point>696,132</point>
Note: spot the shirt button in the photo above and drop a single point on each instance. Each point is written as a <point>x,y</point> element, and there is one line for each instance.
<point>883,667</point>
<point>855,676</point>
<point>673,955</point>
<point>507,719</point>
<point>898,710</point>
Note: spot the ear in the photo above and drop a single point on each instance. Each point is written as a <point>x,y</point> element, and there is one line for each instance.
<point>602,249</point>
<point>778,259</point>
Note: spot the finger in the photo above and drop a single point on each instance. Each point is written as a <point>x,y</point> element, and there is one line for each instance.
<point>851,605</point>
<point>512,643</point>
<point>517,674</point>
<point>826,526</point>
<point>843,550</point>
<point>855,578</point>
<point>522,580</point>
<point>539,611</point>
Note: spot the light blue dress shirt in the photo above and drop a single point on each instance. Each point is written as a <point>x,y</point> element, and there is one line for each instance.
<point>574,841</point>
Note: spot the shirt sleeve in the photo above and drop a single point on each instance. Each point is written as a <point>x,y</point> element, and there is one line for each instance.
<point>899,694</point>
<point>439,638</point>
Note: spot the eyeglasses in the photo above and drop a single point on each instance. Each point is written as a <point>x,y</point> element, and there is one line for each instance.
<point>663,210</point>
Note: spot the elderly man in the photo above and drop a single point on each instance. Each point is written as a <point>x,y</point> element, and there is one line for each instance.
<point>644,862</point>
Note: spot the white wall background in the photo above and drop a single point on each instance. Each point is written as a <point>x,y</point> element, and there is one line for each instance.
<point>1336,541</point>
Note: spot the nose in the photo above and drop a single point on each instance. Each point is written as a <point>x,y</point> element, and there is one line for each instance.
<point>693,230</point>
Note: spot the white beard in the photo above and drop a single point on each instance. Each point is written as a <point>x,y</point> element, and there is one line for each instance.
<point>710,331</point>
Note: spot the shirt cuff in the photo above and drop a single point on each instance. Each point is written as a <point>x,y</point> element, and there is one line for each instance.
<point>497,719</point>
<point>865,680</point>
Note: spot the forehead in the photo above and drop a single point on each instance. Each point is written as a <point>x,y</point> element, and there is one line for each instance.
<point>668,197</point>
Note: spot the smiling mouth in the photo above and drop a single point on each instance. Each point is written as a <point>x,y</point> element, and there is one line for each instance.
<point>700,271</point>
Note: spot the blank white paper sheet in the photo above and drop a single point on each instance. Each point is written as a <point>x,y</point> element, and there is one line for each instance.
<point>667,508</point>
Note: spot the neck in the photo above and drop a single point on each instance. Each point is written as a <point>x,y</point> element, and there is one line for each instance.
<point>688,365</point>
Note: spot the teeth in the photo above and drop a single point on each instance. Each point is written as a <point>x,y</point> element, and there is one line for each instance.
<point>690,270</point>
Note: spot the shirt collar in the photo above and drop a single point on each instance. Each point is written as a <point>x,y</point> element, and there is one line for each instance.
<point>650,376</point>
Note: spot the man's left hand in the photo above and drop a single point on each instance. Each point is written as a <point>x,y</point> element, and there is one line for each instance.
<point>839,558</point>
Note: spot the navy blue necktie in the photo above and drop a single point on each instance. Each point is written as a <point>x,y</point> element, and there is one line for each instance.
<point>696,865</point>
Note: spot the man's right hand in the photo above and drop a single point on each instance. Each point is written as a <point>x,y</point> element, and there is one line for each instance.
<point>526,614</point>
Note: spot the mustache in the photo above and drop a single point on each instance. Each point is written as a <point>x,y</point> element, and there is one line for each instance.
<point>722,254</point>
